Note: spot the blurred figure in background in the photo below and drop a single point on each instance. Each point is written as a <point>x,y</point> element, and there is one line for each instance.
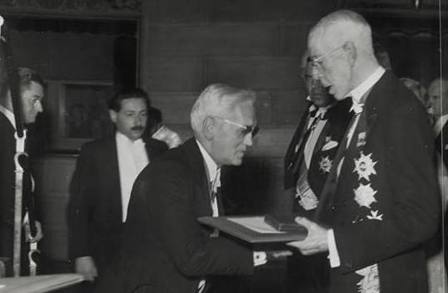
<point>438,107</point>
<point>157,130</point>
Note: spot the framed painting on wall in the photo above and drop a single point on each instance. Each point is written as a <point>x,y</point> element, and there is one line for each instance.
<point>79,111</point>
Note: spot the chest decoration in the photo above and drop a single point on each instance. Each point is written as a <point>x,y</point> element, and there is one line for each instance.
<point>370,282</point>
<point>361,139</point>
<point>325,164</point>
<point>365,166</point>
<point>364,194</point>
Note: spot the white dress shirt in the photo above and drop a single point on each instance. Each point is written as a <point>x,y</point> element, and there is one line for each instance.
<point>213,175</point>
<point>132,158</point>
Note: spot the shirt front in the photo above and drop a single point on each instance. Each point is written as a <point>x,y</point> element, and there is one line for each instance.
<point>132,158</point>
<point>213,174</point>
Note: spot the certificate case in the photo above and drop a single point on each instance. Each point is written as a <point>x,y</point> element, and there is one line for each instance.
<point>242,227</point>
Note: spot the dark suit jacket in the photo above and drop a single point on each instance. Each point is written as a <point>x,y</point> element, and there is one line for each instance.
<point>379,232</point>
<point>95,211</point>
<point>7,186</point>
<point>165,247</point>
<point>337,118</point>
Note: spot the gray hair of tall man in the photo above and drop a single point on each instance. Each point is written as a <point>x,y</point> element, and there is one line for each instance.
<point>341,50</point>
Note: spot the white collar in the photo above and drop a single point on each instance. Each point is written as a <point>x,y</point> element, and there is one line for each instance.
<point>358,92</point>
<point>212,167</point>
<point>121,138</point>
<point>9,115</point>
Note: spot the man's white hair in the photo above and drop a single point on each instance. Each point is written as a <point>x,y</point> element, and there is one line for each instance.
<point>344,26</point>
<point>218,100</point>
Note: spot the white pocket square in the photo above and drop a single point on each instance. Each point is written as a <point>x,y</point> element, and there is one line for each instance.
<point>329,145</point>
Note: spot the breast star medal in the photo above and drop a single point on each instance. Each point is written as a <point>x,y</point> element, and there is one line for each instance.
<point>325,164</point>
<point>365,195</point>
<point>365,166</point>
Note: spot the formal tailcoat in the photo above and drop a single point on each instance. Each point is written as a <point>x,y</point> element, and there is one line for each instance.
<point>95,206</point>
<point>384,204</point>
<point>166,248</point>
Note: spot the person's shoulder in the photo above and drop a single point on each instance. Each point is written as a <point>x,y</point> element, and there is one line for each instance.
<point>156,144</point>
<point>172,163</point>
<point>97,145</point>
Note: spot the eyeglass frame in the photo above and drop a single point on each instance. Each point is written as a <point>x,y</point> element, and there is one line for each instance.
<point>317,61</point>
<point>253,130</point>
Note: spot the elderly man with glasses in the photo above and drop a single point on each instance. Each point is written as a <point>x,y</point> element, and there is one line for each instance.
<point>166,249</point>
<point>380,203</point>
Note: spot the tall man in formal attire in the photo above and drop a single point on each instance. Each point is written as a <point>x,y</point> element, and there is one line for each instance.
<point>101,185</point>
<point>166,248</point>
<point>31,87</point>
<point>380,202</point>
<point>308,162</point>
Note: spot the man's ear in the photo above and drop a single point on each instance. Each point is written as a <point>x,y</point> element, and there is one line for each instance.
<point>113,116</point>
<point>208,126</point>
<point>350,48</point>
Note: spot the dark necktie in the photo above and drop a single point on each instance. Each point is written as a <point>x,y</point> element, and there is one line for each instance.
<point>299,154</point>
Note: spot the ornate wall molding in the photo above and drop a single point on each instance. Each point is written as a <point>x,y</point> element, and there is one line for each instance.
<point>75,5</point>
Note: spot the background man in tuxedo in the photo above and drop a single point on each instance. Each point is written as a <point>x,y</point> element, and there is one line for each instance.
<point>102,183</point>
<point>166,248</point>
<point>380,202</point>
<point>31,92</point>
<point>307,164</point>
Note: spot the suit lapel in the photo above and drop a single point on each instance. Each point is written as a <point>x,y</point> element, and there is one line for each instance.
<point>201,181</point>
<point>111,171</point>
<point>291,154</point>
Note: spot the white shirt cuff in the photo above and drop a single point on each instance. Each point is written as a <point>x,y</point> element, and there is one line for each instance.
<point>333,254</point>
<point>259,258</point>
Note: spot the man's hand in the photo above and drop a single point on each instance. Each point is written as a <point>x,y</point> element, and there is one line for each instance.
<point>39,234</point>
<point>315,242</point>
<point>86,266</point>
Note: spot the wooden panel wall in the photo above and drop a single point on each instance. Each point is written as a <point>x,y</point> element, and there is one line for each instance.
<point>53,175</point>
<point>249,44</point>
<point>180,60</point>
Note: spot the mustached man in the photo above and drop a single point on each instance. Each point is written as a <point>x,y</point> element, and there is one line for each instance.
<point>102,183</point>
